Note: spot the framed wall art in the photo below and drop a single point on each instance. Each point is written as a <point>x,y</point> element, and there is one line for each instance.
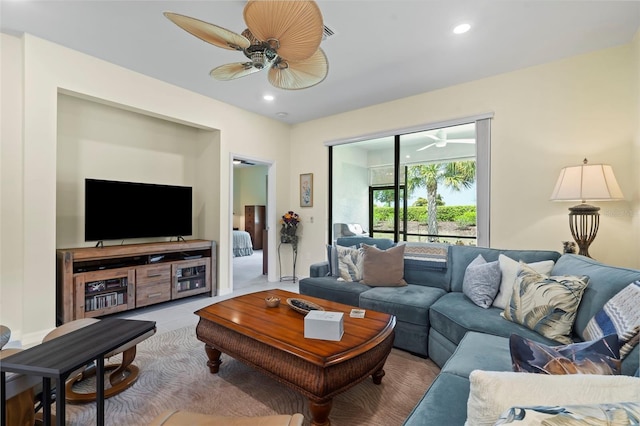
<point>306,190</point>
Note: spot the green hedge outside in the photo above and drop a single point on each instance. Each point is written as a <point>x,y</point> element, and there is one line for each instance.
<point>419,214</point>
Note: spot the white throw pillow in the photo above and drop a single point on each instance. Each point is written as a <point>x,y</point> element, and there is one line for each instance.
<point>493,392</point>
<point>509,269</point>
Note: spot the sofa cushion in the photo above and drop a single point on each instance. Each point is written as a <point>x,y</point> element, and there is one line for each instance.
<point>604,282</point>
<point>383,267</point>
<point>493,392</point>
<point>444,403</point>
<point>620,316</point>
<point>454,314</point>
<point>509,268</point>
<point>331,289</point>
<point>600,356</point>
<point>625,413</point>
<point>459,257</point>
<point>479,351</point>
<point>429,272</point>
<point>409,303</point>
<point>481,281</point>
<point>546,304</point>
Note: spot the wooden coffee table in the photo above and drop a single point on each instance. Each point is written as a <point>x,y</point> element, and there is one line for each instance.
<point>272,341</point>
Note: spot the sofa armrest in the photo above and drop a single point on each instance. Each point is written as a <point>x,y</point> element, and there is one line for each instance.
<point>320,269</point>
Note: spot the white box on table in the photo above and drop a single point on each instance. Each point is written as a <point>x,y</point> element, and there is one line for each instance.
<point>323,325</point>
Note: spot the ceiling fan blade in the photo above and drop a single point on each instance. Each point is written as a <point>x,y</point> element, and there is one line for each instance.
<point>295,26</point>
<point>294,75</point>
<point>425,147</point>
<point>210,33</point>
<point>435,138</point>
<point>233,71</point>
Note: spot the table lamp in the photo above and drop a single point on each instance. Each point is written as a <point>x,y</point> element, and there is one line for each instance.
<point>593,182</point>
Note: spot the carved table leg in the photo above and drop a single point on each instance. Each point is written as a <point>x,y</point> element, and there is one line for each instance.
<point>377,376</point>
<point>214,358</point>
<point>320,412</point>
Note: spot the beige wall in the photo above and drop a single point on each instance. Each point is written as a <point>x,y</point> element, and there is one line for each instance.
<point>48,70</point>
<point>635,195</point>
<point>546,117</point>
<point>11,184</point>
<point>98,141</point>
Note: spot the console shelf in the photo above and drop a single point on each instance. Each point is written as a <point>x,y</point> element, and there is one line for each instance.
<point>92,281</point>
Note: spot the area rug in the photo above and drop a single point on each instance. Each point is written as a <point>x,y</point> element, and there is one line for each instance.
<point>174,375</point>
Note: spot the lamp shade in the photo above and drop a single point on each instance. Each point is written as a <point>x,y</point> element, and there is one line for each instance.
<point>587,182</point>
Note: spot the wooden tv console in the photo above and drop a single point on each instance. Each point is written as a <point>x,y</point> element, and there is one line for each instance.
<point>97,281</point>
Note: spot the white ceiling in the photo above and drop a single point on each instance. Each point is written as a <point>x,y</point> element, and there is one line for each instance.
<point>382,50</point>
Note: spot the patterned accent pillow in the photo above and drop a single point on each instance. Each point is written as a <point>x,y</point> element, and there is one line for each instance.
<point>418,250</point>
<point>481,281</point>
<point>546,304</point>
<point>509,269</point>
<point>601,356</point>
<point>332,257</point>
<point>620,315</point>
<point>350,262</point>
<point>621,413</point>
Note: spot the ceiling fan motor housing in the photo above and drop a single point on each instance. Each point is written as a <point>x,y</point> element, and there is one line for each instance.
<point>261,55</point>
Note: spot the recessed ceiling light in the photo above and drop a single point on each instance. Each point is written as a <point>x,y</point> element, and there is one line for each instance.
<point>282,114</point>
<point>268,97</point>
<point>462,28</point>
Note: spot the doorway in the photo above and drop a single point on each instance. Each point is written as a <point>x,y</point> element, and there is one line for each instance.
<point>252,216</point>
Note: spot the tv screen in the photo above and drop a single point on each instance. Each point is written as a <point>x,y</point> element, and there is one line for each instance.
<point>118,210</point>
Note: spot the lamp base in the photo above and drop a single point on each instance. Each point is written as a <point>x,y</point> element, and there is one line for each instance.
<point>584,221</point>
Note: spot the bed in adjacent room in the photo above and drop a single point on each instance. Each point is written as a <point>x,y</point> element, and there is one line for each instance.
<point>242,245</point>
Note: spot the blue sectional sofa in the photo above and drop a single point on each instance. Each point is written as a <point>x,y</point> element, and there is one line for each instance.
<point>435,319</point>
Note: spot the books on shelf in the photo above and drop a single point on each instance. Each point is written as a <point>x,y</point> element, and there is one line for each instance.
<point>191,284</point>
<point>105,300</point>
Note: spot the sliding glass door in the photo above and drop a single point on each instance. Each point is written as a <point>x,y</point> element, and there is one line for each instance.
<point>430,185</point>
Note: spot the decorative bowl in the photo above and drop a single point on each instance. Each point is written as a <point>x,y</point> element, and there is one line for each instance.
<point>303,306</point>
<point>272,301</point>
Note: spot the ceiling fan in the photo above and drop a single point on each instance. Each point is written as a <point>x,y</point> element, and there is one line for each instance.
<point>281,36</point>
<point>441,140</point>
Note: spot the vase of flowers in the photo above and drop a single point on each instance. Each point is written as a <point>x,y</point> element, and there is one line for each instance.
<point>290,221</point>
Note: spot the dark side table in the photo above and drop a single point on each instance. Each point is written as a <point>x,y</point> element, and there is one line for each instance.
<point>59,357</point>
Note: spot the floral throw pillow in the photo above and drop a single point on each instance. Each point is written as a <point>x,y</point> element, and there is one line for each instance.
<point>601,356</point>
<point>620,315</point>
<point>350,262</point>
<point>546,304</point>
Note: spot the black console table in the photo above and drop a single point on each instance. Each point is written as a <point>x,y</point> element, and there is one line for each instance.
<point>59,357</point>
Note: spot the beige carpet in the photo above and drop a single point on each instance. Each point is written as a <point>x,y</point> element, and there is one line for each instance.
<point>174,375</point>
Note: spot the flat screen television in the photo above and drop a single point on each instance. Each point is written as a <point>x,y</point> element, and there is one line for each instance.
<point>121,210</point>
